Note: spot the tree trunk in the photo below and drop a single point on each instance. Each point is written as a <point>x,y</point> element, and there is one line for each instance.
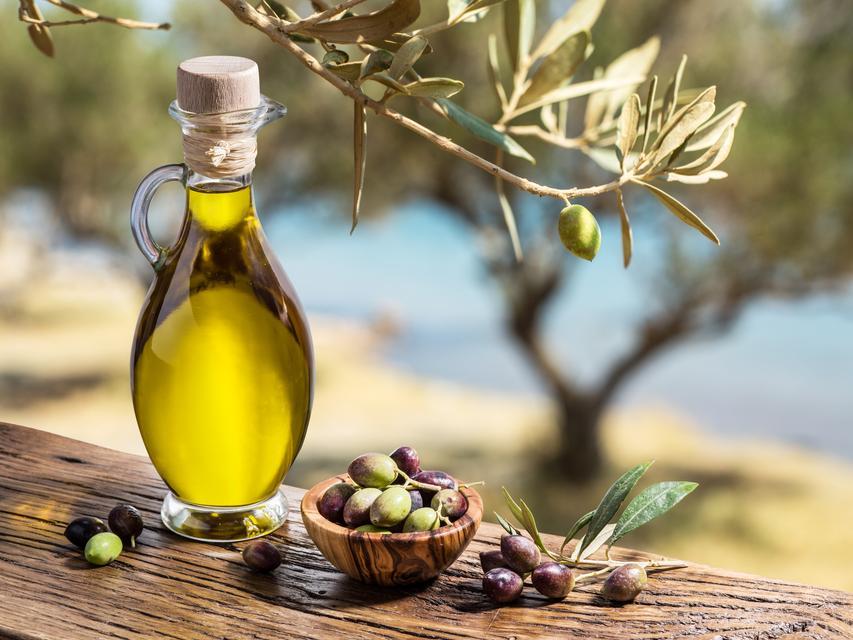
<point>578,456</point>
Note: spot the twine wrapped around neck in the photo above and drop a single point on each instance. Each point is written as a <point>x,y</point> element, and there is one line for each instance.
<point>214,149</point>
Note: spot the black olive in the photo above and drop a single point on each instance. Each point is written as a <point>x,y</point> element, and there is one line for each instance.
<point>80,530</point>
<point>126,522</point>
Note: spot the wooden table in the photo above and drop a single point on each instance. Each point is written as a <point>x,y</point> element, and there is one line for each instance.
<point>173,588</point>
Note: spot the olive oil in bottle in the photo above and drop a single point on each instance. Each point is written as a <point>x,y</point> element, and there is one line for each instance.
<point>222,366</point>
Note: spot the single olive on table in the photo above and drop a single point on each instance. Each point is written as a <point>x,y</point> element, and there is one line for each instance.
<point>625,583</point>
<point>502,585</point>
<point>261,556</point>
<point>103,548</point>
<point>126,522</point>
<point>520,554</point>
<point>80,530</point>
<point>391,494</point>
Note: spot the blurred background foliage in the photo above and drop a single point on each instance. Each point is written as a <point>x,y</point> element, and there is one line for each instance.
<point>79,132</point>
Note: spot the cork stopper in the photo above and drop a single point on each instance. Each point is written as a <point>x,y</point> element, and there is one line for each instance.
<point>216,84</point>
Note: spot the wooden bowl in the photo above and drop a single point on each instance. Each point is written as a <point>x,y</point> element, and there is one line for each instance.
<point>389,559</point>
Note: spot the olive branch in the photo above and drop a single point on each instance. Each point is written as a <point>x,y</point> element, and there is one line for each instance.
<point>598,525</point>
<point>672,138</point>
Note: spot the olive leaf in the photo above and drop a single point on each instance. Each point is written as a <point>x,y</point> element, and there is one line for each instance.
<point>681,211</point>
<point>394,87</point>
<point>635,63</point>
<point>506,525</point>
<point>584,550</point>
<point>671,95</point>
<point>713,157</point>
<point>702,178</point>
<point>580,17</point>
<point>628,128</point>
<point>650,107</point>
<point>576,527</point>
<point>627,234</point>
<point>350,71</point>
<point>39,34</point>
<point>682,124</point>
<point>482,129</point>
<point>468,10</point>
<point>579,89</point>
<point>511,504</point>
<point>549,118</point>
<point>650,503</point>
<point>360,157</point>
<point>611,502</point>
<point>519,22</point>
<point>558,67</point>
<point>365,28</point>
<point>434,87</point>
<point>406,56</point>
<point>509,219</point>
<point>375,62</point>
<point>710,132</point>
<point>495,69</point>
<point>529,523</point>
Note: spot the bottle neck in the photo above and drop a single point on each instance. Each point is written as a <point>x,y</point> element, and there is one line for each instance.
<point>200,181</point>
<point>220,204</point>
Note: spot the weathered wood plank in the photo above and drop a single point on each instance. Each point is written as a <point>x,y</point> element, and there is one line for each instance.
<point>173,588</point>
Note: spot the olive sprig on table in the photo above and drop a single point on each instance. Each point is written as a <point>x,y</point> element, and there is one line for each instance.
<point>521,556</point>
<point>391,494</point>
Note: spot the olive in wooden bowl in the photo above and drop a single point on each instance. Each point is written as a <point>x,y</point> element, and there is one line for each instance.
<point>389,558</point>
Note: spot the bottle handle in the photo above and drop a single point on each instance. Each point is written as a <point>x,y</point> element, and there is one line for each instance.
<point>153,252</point>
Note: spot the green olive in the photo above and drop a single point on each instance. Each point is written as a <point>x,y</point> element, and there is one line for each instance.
<point>424,519</point>
<point>391,507</point>
<point>579,231</point>
<point>372,528</point>
<point>373,470</point>
<point>103,548</point>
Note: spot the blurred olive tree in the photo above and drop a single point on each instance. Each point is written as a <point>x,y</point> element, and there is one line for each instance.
<point>785,212</point>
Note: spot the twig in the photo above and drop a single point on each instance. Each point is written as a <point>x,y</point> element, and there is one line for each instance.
<point>88,16</point>
<point>320,16</point>
<point>250,16</point>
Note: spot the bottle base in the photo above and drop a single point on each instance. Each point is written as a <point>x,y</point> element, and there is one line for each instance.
<point>224,524</point>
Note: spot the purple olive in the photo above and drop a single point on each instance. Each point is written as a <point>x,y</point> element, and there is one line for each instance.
<point>417,499</point>
<point>407,460</point>
<point>492,560</point>
<point>624,583</point>
<point>357,508</point>
<point>553,580</point>
<point>502,585</point>
<point>451,503</point>
<point>261,556</point>
<point>438,478</point>
<point>331,505</point>
<point>520,553</point>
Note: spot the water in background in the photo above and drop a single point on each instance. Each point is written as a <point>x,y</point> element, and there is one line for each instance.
<point>785,371</point>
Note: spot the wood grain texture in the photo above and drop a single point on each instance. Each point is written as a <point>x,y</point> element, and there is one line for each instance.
<point>173,588</point>
<point>398,559</point>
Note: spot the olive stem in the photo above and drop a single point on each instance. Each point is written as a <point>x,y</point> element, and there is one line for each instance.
<point>466,485</point>
<point>414,483</point>
<point>652,565</point>
<point>593,574</point>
